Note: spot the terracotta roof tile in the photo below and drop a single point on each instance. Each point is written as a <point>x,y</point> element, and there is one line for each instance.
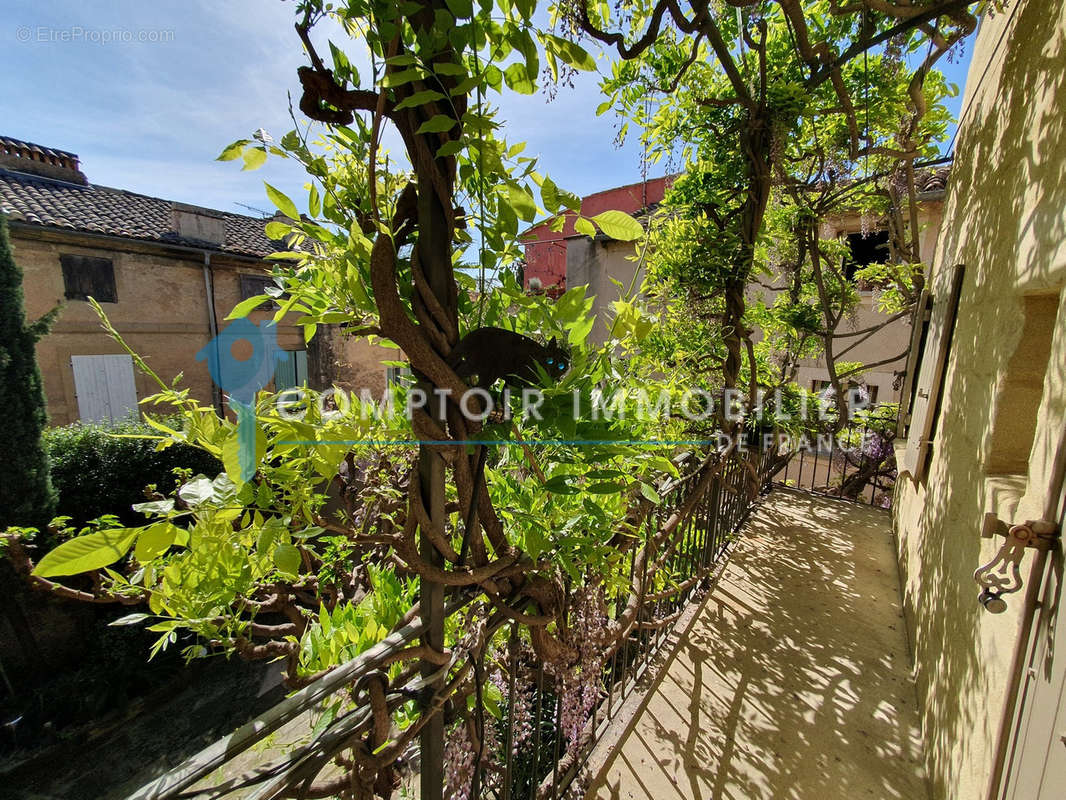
<point>51,203</point>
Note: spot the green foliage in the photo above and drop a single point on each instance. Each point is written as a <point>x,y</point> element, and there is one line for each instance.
<point>27,497</point>
<point>105,469</point>
<point>774,146</point>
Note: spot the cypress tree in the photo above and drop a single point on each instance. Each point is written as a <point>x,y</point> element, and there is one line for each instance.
<point>26,494</point>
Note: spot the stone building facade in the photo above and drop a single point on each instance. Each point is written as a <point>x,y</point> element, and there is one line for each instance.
<point>985,448</point>
<point>167,274</point>
<point>560,260</point>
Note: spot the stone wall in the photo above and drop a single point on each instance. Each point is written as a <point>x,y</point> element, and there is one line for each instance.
<point>162,312</point>
<point>1005,220</point>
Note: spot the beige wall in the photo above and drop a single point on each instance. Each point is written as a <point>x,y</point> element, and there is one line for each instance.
<point>1005,220</point>
<point>894,338</point>
<point>594,262</point>
<point>161,312</point>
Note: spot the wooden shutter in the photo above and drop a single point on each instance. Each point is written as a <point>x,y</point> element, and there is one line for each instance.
<point>105,387</point>
<point>931,379</point>
<point>85,277</point>
<point>919,326</point>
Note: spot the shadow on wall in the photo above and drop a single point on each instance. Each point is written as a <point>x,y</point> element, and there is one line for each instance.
<point>1006,223</point>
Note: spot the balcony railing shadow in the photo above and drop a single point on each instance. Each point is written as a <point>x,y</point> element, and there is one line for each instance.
<point>792,680</point>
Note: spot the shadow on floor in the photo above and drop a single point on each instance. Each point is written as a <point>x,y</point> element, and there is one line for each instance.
<point>794,679</point>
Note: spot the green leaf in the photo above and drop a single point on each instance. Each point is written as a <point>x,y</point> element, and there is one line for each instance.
<point>130,619</point>
<point>84,553</point>
<point>522,202</point>
<point>155,541</point>
<point>283,203</point>
<point>450,148</point>
<point>560,484</point>
<point>231,455</point>
<point>535,542</point>
<point>419,99</point>
<point>254,158</point>
<point>549,195</point>
<point>650,493</point>
<point>619,225</point>
<point>518,79</point>
<point>461,8</point>
<point>233,151</point>
<point>287,558</point>
<point>245,307</point>
<point>448,68</point>
<point>199,490</point>
<point>582,225</point>
<point>154,506</point>
<point>437,124</point>
<point>401,77</point>
<point>277,230</point>
<point>605,488</point>
<point>572,53</point>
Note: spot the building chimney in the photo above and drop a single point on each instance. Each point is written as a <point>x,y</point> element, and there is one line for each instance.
<point>34,159</point>
<point>201,224</point>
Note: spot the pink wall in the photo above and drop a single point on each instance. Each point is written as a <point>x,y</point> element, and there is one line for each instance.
<point>546,249</point>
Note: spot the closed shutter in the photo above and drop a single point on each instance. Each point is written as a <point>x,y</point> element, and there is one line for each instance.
<point>105,387</point>
<point>927,397</point>
<point>919,328</point>
<point>291,372</point>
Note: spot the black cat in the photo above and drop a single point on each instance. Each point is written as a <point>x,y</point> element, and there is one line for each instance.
<point>495,353</point>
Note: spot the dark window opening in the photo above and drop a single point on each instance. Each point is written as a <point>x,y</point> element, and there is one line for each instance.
<point>864,251</point>
<point>85,277</point>
<point>255,285</point>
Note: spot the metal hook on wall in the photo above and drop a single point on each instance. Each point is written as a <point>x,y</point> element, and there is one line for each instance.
<point>1002,575</point>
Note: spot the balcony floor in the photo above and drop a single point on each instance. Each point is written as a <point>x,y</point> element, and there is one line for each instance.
<point>791,680</point>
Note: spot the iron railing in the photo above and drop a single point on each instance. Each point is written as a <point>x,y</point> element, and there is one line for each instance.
<point>855,463</point>
<point>539,754</point>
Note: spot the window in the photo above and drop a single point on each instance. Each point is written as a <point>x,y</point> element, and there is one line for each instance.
<point>865,250</point>
<point>919,330</point>
<point>395,376</point>
<point>292,372</point>
<point>85,277</point>
<point>254,285</point>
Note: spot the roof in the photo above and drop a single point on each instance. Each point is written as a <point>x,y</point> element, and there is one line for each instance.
<point>52,203</point>
<point>932,182</point>
<point>635,199</point>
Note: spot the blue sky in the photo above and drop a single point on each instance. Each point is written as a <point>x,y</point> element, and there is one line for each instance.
<point>152,116</point>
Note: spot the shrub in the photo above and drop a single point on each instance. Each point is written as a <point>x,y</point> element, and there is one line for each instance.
<point>98,471</point>
<point>26,496</point>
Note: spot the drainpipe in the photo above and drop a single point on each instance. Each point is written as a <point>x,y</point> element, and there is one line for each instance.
<point>212,324</point>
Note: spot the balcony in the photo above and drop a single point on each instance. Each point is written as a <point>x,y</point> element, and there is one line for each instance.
<point>779,669</point>
<point>791,679</point>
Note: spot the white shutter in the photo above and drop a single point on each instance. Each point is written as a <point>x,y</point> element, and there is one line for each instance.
<point>931,378</point>
<point>104,386</point>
